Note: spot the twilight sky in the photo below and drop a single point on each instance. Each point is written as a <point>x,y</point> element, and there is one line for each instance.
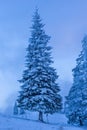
<point>66,23</point>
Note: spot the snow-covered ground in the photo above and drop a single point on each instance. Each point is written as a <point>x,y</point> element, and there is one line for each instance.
<point>56,122</point>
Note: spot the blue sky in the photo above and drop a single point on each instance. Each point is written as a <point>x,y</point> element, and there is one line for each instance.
<point>66,23</point>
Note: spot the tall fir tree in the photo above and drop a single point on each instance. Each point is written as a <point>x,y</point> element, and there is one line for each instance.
<point>39,89</point>
<point>76,101</point>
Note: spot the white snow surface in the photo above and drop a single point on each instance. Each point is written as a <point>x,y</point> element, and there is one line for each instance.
<point>30,122</point>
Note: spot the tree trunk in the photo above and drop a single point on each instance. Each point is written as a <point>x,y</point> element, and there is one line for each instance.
<point>47,118</point>
<point>40,116</point>
<point>80,121</point>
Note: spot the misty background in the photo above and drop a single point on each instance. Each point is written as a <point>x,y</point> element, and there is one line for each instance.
<point>66,23</point>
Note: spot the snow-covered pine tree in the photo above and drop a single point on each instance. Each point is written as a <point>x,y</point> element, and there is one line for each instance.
<point>39,89</point>
<point>76,101</point>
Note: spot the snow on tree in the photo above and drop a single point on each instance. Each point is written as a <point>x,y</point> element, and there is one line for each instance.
<point>39,88</point>
<point>15,110</point>
<point>76,101</point>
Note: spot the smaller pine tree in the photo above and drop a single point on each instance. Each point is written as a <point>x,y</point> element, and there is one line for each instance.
<point>76,101</point>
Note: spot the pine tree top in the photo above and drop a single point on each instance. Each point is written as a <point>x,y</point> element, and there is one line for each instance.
<point>37,19</point>
<point>37,30</point>
<point>84,42</point>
